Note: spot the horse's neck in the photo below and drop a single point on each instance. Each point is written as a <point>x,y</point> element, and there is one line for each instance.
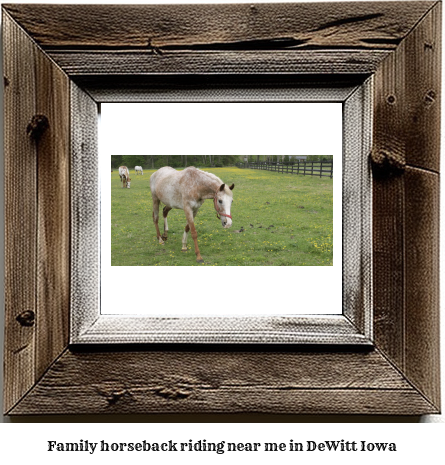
<point>209,187</point>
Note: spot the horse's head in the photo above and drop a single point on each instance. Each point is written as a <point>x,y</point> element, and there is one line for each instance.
<point>126,181</point>
<point>223,203</point>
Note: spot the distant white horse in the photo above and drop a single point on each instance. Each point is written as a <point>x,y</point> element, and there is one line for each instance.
<point>124,174</point>
<point>187,190</point>
<point>139,169</point>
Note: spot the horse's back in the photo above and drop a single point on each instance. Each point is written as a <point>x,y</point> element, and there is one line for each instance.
<point>160,176</point>
<point>164,185</point>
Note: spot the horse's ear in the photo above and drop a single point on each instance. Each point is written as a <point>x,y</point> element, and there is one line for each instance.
<point>231,187</point>
<point>222,187</point>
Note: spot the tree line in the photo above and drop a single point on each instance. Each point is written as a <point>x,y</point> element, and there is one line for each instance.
<point>286,159</point>
<point>218,161</point>
<point>175,161</point>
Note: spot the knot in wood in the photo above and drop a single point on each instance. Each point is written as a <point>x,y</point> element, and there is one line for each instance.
<point>37,126</point>
<point>26,318</point>
<point>114,397</point>
<point>113,394</point>
<point>430,97</point>
<point>387,163</point>
<point>172,393</point>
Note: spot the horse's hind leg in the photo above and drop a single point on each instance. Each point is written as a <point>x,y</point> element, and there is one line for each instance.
<point>156,218</point>
<point>165,213</point>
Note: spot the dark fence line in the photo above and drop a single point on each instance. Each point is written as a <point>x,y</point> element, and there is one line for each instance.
<point>306,168</point>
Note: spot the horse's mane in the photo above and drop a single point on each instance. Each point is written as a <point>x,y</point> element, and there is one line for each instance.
<point>210,175</point>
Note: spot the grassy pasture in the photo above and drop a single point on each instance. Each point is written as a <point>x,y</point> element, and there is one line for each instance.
<point>278,220</point>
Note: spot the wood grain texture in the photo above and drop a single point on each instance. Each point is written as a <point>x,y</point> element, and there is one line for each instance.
<point>342,25</point>
<point>53,235</point>
<point>85,212</point>
<point>108,329</point>
<point>357,209</point>
<point>223,382</point>
<point>263,38</point>
<point>422,364</point>
<point>423,92</point>
<point>20,212</point>
<point>223,89</point>
<point>191,87</point>
<point>406,208</point>
<point>389,145</point>
<point>407,113</point>
<point>37,216</point>
<point>130,63</point>
<point>388,268</point>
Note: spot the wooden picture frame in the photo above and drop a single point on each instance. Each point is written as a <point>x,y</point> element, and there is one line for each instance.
<point>56,71</point>
<point>92,323</point>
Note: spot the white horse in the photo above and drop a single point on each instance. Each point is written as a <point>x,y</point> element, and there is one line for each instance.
<point>139,169</point>
<point>124,174</point>
<point>187,190</point>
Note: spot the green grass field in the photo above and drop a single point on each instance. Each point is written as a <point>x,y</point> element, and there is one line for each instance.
<point>278,220</point>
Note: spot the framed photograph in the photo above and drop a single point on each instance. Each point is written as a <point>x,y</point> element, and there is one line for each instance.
<point>88,331</point>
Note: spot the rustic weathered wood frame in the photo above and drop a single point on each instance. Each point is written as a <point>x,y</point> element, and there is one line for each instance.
<point>89,53</point>
<point>89,321</point>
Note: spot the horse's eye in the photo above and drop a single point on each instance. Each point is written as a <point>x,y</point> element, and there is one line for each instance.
<point>220,201</point>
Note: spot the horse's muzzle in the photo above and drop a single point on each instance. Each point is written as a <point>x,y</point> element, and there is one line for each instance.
<point>227,223</point>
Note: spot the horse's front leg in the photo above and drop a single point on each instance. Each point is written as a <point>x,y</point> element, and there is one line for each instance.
<point>190,215</point>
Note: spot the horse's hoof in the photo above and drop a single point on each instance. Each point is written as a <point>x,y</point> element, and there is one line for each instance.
<point>200,261</point>
<point>164,238</point>
<point>161,242</point>
<point>184,250</point>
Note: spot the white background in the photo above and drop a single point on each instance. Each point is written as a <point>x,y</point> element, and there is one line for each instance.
<point>26,443</point>
<point>219,128</point>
